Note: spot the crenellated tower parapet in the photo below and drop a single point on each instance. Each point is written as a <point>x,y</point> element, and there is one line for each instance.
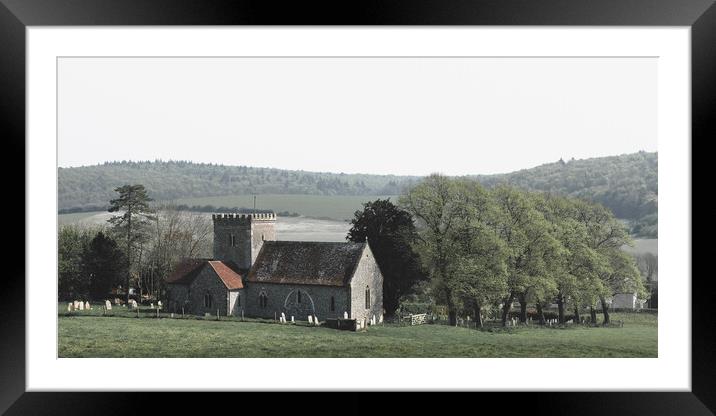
<point>239,237</point>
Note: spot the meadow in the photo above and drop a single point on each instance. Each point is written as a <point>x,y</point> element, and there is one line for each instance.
<point>89,334</point>
<point>335,207</point>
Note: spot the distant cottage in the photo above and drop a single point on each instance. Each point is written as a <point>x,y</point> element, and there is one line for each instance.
<point>255,275</point>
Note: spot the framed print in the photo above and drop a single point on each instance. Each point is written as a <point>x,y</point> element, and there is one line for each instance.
<point>391,198</point>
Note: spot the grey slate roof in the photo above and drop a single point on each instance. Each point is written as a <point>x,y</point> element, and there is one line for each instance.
<point>304,262</point>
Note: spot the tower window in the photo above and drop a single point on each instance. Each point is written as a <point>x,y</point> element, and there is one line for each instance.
<point>333,304</point>
<point>232,240</point>
<point>367,297</point>
<point>299,296</point>
<point>207,300</point>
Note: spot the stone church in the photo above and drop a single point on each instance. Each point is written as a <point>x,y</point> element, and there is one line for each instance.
<point>254,275</point>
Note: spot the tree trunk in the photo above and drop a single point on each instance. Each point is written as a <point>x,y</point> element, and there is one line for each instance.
<point>593,315</point>
<point>560,308</point>
<point>605,310</point>
<point>478,318</point>
<point>576,314</point>
<point>506,308</point>
<point>523,307</point>
<point>540,312</point>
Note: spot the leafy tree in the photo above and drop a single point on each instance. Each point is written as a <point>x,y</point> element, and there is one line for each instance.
<point>104,263</point>
<point>390,232</point>
<point>479,272</point>
<point>71,244</point>
<point>434,204</point>
<point>133,224</point>
<point>530,246</point>
<point>605,236</point>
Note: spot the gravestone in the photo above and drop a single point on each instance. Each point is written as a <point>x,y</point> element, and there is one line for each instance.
<point>381,318</point>
<point>345,315</point>
<point>81,306</point>
<point>310,319</point>
<point>108,305</point>
<point>159,304</point>
<point>69,307</point>
<point>315,320</point>
<point>292,320</point>
<point>151,305</point>
<point>88,306</point>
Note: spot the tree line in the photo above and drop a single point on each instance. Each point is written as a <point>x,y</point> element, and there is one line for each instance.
<point>139,248</point>
<point>626,184</point>
<point>462,245</point>
<point>484,248</point>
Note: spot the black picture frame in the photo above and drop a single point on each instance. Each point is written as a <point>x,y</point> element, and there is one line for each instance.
<point>16,15</point>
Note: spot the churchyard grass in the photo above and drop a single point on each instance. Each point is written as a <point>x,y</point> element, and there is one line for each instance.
<point>89,334</point>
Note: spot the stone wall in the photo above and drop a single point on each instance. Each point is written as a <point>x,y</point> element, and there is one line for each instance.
<point>191,297</point>
<point>315,300</point>
<point>367,275</point>
<point>249,231</point>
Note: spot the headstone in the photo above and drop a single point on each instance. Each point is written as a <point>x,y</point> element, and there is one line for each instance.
<point>372,322</point>
<point>283,316</point>
<point>69,307</point>
<point>75,305</point>
<point>159,304</point>
<point>108,305</point>
<point>315,320</point>
<point>310,319</point>
<point>292,320</point>
<point>88,306</point>
<point>116,301</point>
<point>381,318</point>
<point>81,306</point>
<point>345,315</point>
<point>151,305</point>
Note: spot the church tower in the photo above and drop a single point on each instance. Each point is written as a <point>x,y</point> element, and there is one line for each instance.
<point>239,237</point>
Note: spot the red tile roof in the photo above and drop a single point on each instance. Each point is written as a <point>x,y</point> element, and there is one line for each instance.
<point>189,269</point>
<point>231,278</point>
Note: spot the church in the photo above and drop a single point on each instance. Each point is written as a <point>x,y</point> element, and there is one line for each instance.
<point>253,274</point>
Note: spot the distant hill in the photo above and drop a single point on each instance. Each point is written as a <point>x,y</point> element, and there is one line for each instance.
<point>627,184</point>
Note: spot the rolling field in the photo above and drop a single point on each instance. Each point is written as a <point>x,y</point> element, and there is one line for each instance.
<point>88,334</point>
<point>336,207</point>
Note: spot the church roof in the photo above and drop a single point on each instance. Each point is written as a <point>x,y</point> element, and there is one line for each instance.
<point>303,262</point>
<point>189,269</point>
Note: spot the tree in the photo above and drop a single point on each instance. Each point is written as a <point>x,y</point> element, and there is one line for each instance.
<point>605,236</point>
<point>648,264</point>
<point>103,263</point>
<point>531,247</point>
<point>479,272</point>
<point>132,225</point>
<point>390,233</point>
<point>176,236</point>
<point>434,204</point>
<point>72,242</point>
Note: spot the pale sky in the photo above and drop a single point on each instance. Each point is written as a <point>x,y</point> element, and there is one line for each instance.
<point>411,116</point>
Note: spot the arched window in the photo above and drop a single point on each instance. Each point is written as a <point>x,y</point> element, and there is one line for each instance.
<point>207,300</point>
<point>298,295</point>
<point>263,300</point>
<point>367,297</point>
<point>333,304</point>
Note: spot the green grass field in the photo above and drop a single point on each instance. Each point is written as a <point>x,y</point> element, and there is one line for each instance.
<point>89,334</point>
<point>338,207</point>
